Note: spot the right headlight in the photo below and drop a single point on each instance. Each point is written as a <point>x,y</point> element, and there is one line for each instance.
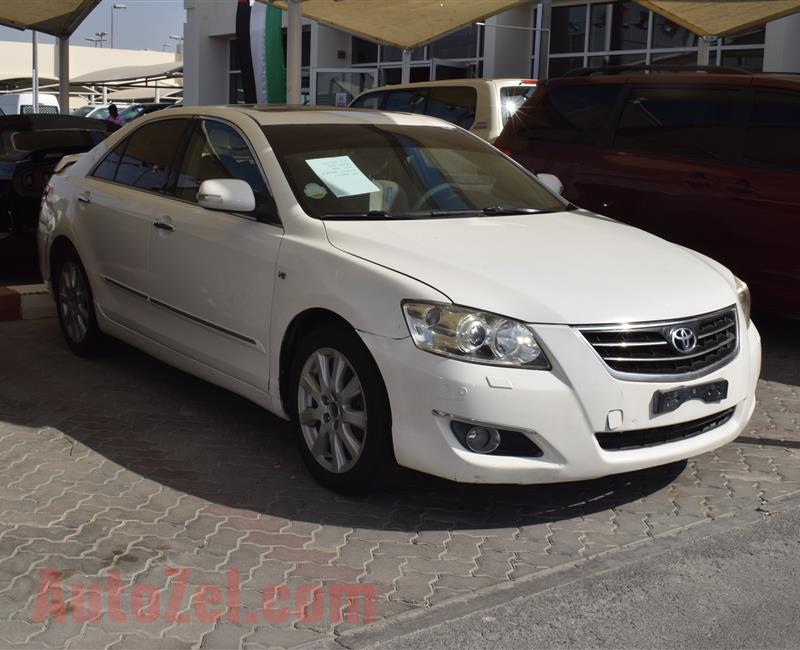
<point>743,294</point>
<point>472,335</point>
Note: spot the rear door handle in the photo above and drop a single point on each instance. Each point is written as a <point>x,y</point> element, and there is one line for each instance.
<point>85,197</point>
<point>163,225</point>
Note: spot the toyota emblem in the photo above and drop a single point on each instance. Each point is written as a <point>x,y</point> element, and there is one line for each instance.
<point>683,339</point>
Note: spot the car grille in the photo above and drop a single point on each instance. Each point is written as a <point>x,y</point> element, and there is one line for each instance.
<point>636,439</point>
<point>646,351</point>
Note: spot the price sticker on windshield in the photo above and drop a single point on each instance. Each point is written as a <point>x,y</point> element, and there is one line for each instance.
<point>342,176</point>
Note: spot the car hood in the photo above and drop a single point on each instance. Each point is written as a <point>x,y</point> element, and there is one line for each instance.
<point>570,267</point>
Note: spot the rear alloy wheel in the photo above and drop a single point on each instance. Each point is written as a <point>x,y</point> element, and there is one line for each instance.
<point>75,307</point>
<point>342,412</point>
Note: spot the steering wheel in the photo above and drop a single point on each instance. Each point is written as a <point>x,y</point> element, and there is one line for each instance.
<point>436,189</point>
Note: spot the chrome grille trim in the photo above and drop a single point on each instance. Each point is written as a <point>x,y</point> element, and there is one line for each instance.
<point>643,352</point>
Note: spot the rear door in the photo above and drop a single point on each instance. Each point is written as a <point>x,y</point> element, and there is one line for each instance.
<point>117,204</point>
<point>664,167</point>
<point>761,225</point>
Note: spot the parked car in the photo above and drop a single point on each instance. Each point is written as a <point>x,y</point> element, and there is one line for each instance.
<point>30,148</point>
<point>707,160</point>
<point>402,291</point>
<point>22,104</point>
<point>132,111</point>
<point>482,106</point>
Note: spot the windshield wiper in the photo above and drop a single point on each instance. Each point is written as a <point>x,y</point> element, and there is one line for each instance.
<point>369,214</point>
<point>502,210</point>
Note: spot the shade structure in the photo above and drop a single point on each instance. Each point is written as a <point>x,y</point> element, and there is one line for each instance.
<point>55,17</point>
<point>402,23</point>
<point>131,73</point>
<point>721,17</point>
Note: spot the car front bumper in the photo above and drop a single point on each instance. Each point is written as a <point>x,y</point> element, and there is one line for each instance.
<point>559,410</point>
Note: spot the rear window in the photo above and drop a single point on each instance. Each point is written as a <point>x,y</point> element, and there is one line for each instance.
<point>55,139</point>
<point>512,98</point>
<point>372,101</point>
<point>772,136</point>
<point>27,109</point>
<point>568,113</point>
<point>406,101</point>
<point>454,104</point>
<point>688,122</point>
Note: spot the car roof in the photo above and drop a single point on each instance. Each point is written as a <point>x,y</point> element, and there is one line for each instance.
<point>278,114</point>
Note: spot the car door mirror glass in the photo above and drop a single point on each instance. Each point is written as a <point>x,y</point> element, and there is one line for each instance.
<point>551,182</point>
<point>228,194</point>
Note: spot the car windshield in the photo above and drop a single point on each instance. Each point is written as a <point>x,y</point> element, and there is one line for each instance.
<point>352,171</point>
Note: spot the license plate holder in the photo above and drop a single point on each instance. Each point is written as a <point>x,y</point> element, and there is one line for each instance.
<point>666,401</point>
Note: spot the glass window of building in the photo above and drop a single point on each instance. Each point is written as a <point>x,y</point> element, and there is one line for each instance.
<point>364,51</point>
<point>462,44</point>
<point>667,34</point>
<point>568,29</point>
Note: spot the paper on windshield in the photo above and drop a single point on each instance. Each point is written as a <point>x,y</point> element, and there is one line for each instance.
<point>342,176</point>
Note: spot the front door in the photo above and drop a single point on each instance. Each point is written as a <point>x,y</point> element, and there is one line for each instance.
<point>212,272</point>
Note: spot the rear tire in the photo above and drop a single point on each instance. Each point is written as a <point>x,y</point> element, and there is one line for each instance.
<point>75,306</point>
<point>340,410</point>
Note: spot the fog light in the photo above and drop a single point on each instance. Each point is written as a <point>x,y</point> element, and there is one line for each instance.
<point>482,440</point>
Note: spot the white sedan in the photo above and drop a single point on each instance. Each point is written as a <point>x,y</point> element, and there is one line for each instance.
<point>401,291</point>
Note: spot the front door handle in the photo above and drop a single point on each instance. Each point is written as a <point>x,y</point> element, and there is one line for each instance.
<point>85,197</point>
<point>163,225</point>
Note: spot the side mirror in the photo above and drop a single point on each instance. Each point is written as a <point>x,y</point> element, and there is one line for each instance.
<point>551,182</point>
<point>229,194</point>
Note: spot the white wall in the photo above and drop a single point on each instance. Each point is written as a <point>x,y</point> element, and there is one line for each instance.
<point>506,50</point>
<point>209,26</point>
<point>782,53</point>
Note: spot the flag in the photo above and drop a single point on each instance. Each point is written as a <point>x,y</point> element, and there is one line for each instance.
<point>259,40</point>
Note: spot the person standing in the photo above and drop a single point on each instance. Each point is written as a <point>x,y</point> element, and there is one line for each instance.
<point>114,116</point>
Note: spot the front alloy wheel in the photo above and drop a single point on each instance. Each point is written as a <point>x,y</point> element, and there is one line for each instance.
<point>332,412</point>
<point>341,410</point>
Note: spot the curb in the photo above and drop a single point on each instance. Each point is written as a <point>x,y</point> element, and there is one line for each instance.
<point>26,302</point>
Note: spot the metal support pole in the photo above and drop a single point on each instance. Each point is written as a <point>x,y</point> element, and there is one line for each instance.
<point>703,50</point>
<point>294,51</point>
<point>63,75</point>
<point>405,70</point>
<point>543,22</point>
<point>35,72</point>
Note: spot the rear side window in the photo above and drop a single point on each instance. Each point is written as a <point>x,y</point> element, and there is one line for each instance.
<point>568,113</point>
<point>455,104</point>
<point>148,156</point>
<point>107,169</point>
<point>373,101</point>
<point>688,122</point>
<point>407,101</point>
<point>772,136</point>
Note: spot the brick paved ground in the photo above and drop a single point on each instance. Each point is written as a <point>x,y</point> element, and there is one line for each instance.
<point>124,466</point>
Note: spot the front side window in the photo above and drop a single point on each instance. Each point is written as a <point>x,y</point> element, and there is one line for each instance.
<point>568,113</point>
<point>690,122</point>
<point>772,136</point>
<point>455,104</point>
<point>218,151</point>
<point>149,154</point>
<point>399,171</point>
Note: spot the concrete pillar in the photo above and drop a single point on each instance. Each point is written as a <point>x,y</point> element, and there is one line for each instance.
<point>543,23</point>
<point>294,51</point>
<point>782,45</point>
<point>63,75</point>
<point>703,51</point>
<point>508,43</point>
<point>208,28</point>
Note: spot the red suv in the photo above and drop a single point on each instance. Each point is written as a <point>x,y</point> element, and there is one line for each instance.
<point>710,160</point>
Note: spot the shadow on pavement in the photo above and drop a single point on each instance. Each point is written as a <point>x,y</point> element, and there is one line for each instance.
<point>196,438</point>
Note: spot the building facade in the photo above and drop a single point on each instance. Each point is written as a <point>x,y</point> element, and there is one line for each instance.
<point>538,40</point>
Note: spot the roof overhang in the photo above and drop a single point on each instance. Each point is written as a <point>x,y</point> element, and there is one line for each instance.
<point>401,23</point>
<point>131,73</point>
<point>55,17</point>
<point>721,17</point>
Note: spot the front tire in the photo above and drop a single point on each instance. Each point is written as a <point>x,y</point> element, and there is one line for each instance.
<point>75,306</point>
<point>341,410</point>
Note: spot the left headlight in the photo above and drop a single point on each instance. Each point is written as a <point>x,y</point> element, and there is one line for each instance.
<point>471,335</point>
<point>743,293</point>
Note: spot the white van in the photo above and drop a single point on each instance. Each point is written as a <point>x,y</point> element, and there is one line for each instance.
<point>22,104</point>
<point>482,106</point>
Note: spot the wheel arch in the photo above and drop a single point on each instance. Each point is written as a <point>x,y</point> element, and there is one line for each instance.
<point>59,250</point>
<point>298,327</point>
